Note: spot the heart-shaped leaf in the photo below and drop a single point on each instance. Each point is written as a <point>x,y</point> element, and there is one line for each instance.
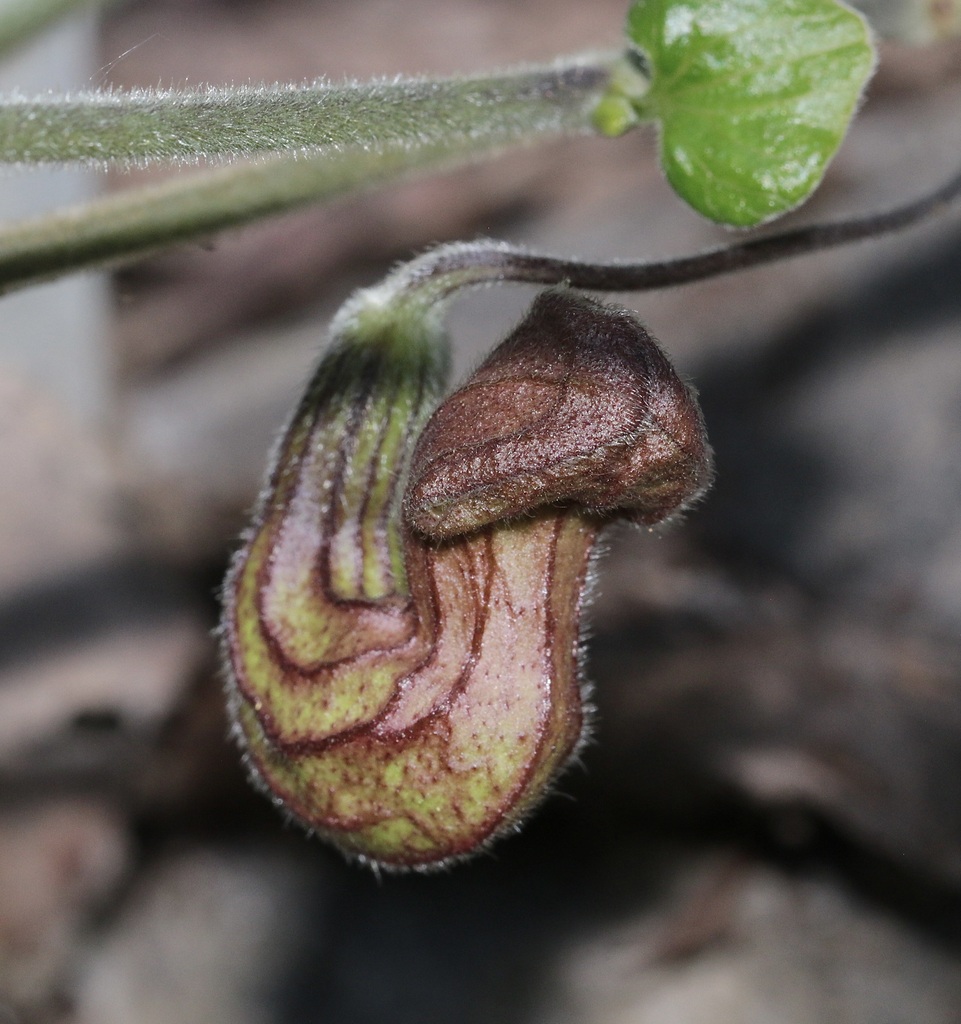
<point>753,97</point>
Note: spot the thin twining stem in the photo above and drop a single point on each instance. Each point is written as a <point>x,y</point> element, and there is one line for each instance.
<point>448,268</point>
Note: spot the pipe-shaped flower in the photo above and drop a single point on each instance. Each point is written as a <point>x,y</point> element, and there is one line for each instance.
<point>408,687</point>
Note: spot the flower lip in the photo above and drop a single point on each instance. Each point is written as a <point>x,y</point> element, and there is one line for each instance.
<point>578,406</point>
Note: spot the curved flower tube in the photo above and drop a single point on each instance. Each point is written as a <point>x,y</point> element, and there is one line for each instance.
<point>404,671</point>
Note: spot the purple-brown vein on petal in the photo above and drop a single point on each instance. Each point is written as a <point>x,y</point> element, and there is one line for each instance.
<point>377,724</point>
<point>424,729</point>
<point>293,672</point>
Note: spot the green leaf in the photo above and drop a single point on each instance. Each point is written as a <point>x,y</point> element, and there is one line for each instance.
<point>753,97</point>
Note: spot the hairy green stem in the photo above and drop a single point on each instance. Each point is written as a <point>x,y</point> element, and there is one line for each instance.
<point>137,127</point>
<point>140,221</point>
<point>21,20</point>
<point>527,106</point>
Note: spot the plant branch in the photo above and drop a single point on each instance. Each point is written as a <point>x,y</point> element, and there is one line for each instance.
<point>219,124</point>
<point>445,270</point>
<point>547,102</point>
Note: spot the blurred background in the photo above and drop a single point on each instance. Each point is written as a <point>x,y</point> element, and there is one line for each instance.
<point>767,825</point>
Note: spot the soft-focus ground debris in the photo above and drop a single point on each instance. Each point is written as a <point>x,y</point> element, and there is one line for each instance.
<point>98,643</point>
<point>767,824</point>
<point>97,639</point>
<point>59,859</point>
<point>200,938</point>
<point>62,505</point>
<point>839,720</point>
<point>795,951</point>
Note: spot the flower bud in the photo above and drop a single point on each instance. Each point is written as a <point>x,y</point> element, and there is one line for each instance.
<point>409,698</point>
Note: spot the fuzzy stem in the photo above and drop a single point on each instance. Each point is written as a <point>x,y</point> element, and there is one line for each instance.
<point>530,105</point>
<point>138,127</point>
